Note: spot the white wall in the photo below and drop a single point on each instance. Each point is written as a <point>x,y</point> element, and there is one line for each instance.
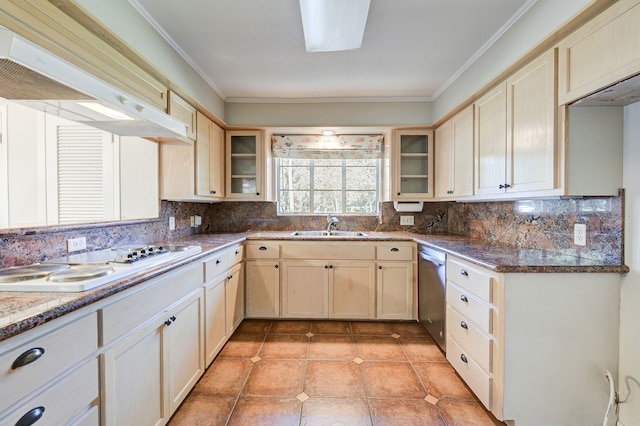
<point>121,18</point>
<point>541,20</point>
<point>629,377</point>
<point>329,114</point>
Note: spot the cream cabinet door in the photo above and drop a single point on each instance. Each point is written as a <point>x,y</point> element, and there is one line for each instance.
<point>454,156</point>
<point>262,289</point>
<point>183,111</point>
<point>133,379</point>
<point>531,126</point>
<point>234,295</point>
<point>352,289</point>
<point>395,284</point>
<point>209,159</point>
<point>491,141</point>
<point>245,165</point>
<point>215,313</point>
<point>184,338</point>
<point>305,290</point>
<point>139,185</point>
<point>412,165</point>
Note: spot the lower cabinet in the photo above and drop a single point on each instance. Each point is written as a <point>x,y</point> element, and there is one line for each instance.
<point>395,290</point>
<point>215,313</point>
<point>305,289</point>
<point>352,289</point>
<point>234,295</point>
<point>262,288</point>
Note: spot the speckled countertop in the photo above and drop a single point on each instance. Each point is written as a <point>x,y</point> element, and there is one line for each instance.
<point>22,311</point>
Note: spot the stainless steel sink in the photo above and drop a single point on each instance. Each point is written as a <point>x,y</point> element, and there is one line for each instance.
<point>328,234</point>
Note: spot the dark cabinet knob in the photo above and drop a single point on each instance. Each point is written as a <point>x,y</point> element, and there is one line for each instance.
<point>395,249</point>
<point>167,322</point>
<point>464,273</point>
<point>330,266</point>
<point>237,251</point>
<point>463,357</point>
<point>219,261</point>
<point>31,417</point>
<point>398,193</point>
<point>27,357</point>
<point>257,193</point>
<point>276,266</point>
<point>379,267</point>
<point>326,266</point>
<point>229,277</point>
<point>212,191</point>
<point>172,318</point>
<point>263,248</point>
<point>464,298</point>
<point>464,325</point>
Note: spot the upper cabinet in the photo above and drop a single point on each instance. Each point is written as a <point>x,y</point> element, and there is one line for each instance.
<point>183,111</point>
<point>194,171</point>
<point>209,158</point>
<point>412,165</point>
<point>602,52</point>
<point>454,156</point>
<point>515,132</point>
<point>248,166</point>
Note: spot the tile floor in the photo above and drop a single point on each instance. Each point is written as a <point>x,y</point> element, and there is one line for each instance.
<point>330,373</point>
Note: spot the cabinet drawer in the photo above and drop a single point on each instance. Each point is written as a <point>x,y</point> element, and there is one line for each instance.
<point>235,255</point>
<point>470,307</point>
<point>394,252</point>
<point>64,400</point>
<point>471,278</point>
<point>263,250</point>
<point>62,349</point>
<point>215,265</point>
<point>128,313</point>
<point>474,376</point>
<point>474,341</point>
<point>329,251</point>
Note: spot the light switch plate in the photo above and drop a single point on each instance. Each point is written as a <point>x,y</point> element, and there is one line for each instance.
<point>406,220</point>
<point>172,223</point>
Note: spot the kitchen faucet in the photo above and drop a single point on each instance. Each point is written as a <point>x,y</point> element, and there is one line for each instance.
<point>331,223</point>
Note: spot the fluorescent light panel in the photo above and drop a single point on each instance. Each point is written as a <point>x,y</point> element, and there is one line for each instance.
<point>105,110</point>
<point>333,25</point>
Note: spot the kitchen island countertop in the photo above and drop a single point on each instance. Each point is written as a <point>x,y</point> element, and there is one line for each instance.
<point>22,311</point>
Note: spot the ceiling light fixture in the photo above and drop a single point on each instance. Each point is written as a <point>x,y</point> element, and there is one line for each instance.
<point>333,25</point>
<point>328,133</point>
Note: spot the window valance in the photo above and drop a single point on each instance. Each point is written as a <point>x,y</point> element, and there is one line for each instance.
<point>315,146</point>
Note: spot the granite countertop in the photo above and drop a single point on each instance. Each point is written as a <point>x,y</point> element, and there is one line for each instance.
<point>22,311</point>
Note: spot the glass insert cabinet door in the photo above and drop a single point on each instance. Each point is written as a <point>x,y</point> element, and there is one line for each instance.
<point>413,177</point>
<point>244,157</point>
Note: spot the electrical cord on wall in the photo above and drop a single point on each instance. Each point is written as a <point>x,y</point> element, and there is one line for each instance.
<point>613,399</point>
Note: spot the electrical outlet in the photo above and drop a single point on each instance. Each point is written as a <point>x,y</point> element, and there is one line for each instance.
<point>198,220</point>
<point>580,234</point>
<point>76,244</point>
<point>406,220</point>
<point>192,220</point>
<point>172,223</point>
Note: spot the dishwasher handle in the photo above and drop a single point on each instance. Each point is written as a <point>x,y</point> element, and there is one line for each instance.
<point>425,256</point>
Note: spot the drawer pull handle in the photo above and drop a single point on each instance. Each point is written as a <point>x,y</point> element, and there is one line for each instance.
<point>276,266</point>
<point>326,266</point>
<point>229,277</point>
<point>464,273</point>
<point>27,357</point>
<point>464,298</point>
<point>463,357</point>
<point>31,417</point>
<point>167,322</point>
<point>172,318</point>
<point>219,261</point>
<point>237,252</point>
<point>262,248</point>
<point>464,325</point>
<point>395,249</point>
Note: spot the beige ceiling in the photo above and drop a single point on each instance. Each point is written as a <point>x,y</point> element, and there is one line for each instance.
<point>254,51</point>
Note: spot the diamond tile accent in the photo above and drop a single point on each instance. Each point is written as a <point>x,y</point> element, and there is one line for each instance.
<point>395,336</point>
<point>309,334</point>
<point>358,360</point>
<point>302,397</point>
<point>431,399</point>
<point>256,358</point>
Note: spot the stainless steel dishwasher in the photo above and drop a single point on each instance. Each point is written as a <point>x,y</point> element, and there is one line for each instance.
<point>431,292</point>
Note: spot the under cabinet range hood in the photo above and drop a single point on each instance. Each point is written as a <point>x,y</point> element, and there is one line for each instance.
<point>37,78</point>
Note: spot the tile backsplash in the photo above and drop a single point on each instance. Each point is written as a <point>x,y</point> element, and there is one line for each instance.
<point>544,224</point>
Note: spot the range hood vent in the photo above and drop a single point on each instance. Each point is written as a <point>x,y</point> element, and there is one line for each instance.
<point>35,77</point>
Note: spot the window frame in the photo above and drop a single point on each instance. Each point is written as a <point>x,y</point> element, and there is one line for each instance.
<point>344,167</point>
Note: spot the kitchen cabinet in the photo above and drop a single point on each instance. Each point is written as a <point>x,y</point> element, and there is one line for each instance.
<point>515,133</point>
<point>262,287</point>
<point>454,156</point>
<point>183,111</point>
<point>602,52</point>
<point>411,165</point>
<point>193,171</point>
<point>499,338</point>
<point>352,289</point>
<point>139,186</point>
<point>58,356</point>
<point>396,281</point>
<point>248,167</point>
<point>305,289</point>
<point>153,338</point>
<point>223,294</point>
<point>209,159</point>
